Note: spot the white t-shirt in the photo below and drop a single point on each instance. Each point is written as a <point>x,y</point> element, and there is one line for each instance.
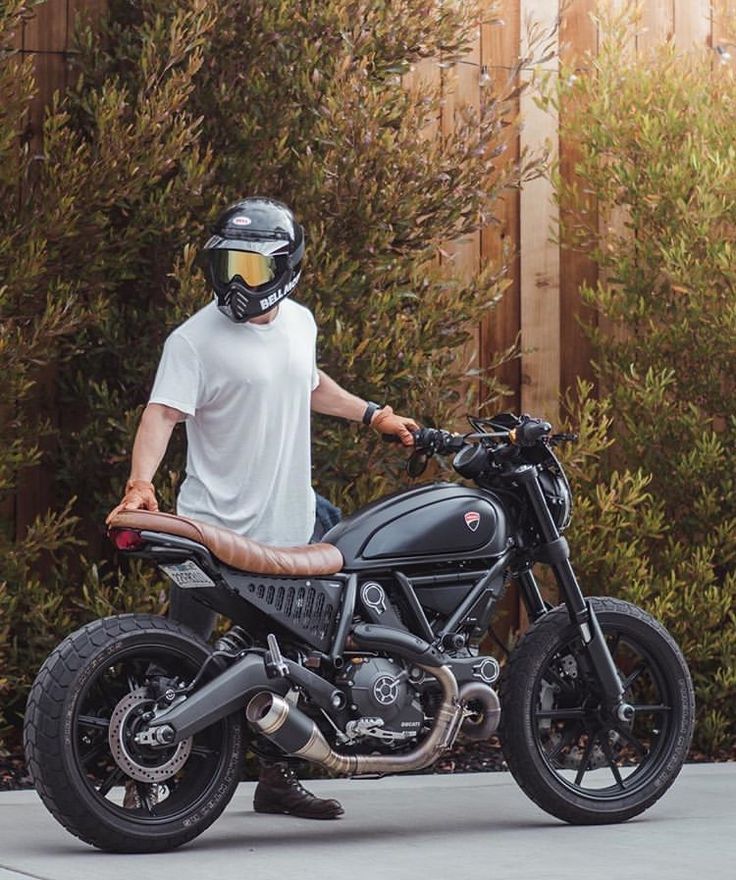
<point>246,390</point>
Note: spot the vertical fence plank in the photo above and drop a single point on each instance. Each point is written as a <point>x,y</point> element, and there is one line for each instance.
<point>540,258</point>
<point>692,23</point>
<point>723,28</point>
<point>461,257</point>
<point>45,35</point>
<point>658,23</point>
<point>499,245</point>
<point>500,242</point>
<point>578,38</point>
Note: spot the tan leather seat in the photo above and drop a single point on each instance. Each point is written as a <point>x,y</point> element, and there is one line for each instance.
<point>235,550</point>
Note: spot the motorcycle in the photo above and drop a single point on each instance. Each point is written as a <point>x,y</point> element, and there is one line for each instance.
<point>361,654</point>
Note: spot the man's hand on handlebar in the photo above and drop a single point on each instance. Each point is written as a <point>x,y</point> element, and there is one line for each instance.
<point>385,421</point>
<point>527,432</point>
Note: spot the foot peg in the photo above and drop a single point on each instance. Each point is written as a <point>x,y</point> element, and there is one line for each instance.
<point>274,661</point>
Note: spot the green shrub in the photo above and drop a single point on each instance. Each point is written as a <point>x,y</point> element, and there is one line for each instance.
<point>176,108</point>
<point>304,101</point>
<point>91,210</point>
<point>655,139</point>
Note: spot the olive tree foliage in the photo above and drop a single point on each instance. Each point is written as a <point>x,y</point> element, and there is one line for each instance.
<point>306,102</point>
<point>319,117</point>
<point>173,110</point>
<point>655,141</point>
<point>89,206</point>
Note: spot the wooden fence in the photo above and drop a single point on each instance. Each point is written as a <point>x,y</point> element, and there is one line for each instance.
<point>542,305</point>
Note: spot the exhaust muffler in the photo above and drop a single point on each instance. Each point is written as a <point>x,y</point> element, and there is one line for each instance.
<point>296,734</point>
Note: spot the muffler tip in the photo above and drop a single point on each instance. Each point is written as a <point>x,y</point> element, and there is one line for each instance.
<point>267,712</point>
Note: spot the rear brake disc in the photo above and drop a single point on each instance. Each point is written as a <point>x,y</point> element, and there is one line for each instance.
<point>164,763</point>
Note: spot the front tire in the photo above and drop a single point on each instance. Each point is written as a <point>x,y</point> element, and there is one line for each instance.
<point>81,778</point>
<point>563,748</point>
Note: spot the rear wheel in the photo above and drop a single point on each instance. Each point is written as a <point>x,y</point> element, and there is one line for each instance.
<point>567,752</point>
<point>86,705</point>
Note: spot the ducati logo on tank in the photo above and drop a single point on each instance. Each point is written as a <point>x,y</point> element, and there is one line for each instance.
<point>472,520</point>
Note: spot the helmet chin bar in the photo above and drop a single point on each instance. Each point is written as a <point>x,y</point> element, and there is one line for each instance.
<point>240,305</point>
<point>235,302</point>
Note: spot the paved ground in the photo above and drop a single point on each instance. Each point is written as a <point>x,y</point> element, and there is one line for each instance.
<point>475,825</point>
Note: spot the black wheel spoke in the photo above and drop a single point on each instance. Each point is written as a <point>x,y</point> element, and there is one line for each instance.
<point>586,758</point>
<point>613,647</point>
<point>99,749</point>
<point>608,752</point>
<point>202,751</point>
<point>567,738</point>
<point>144,796</point>
<point>94,721</point>
<point>105,693</point>
<point>559,714</point>
<point>632,740</point>
<point>115,776</point>
<point>654,709</point>
<point>131,676</point>
<point>628,682</point>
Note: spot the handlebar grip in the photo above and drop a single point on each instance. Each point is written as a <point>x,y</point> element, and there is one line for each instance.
<point>390,438</point>
<point>531,431</point>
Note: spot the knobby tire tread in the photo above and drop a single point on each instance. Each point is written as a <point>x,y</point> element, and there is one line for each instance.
<point>519,674</point>
<point>43,736</point>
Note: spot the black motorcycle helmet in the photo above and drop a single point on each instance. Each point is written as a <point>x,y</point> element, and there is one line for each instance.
<point>253,257</point>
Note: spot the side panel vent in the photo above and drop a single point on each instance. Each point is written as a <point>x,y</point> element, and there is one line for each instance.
<point>308,608</point>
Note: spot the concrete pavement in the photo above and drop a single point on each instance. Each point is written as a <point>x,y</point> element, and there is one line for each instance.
<point>475,825</point>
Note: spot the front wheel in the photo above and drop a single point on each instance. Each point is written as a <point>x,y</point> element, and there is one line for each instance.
<point>566,751</point>
<point>89,699</point>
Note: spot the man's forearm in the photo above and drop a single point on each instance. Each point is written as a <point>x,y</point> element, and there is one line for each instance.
<point>331,399</point>
<point>151,440</point>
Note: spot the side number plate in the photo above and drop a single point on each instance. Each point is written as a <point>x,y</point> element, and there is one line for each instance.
<point>187,575</point>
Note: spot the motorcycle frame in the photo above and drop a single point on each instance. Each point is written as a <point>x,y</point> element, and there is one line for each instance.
<point>417,645</point>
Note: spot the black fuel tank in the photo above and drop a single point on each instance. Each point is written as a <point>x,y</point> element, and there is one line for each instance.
<point>433,522</point>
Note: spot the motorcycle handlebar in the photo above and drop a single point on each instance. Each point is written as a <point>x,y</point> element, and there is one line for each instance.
<point>434,440</point>
<point>431,440</point>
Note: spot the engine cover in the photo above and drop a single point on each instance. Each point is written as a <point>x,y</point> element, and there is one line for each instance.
<point>380,688</point>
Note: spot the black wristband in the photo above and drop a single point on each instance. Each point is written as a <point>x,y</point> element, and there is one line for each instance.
<point>370,411</point>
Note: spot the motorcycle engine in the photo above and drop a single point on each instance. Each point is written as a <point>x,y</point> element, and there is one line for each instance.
<point>387,704</point>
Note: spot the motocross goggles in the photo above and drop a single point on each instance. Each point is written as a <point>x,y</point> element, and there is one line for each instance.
<point>254,269</point>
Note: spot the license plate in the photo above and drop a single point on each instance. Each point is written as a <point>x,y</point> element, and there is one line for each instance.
<point>187,575</point>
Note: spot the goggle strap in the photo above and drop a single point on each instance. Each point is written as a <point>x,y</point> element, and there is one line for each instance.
<point>296,257</point>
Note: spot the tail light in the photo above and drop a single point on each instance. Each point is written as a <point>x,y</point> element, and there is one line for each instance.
<point>126,539</point>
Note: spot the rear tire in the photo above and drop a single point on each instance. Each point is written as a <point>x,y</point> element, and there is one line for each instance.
<point>66,738</point>
<point>554,730</point>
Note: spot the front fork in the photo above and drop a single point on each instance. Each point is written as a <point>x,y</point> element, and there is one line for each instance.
<point>556,553</point>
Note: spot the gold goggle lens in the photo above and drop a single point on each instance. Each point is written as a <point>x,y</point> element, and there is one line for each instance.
<point>254,269</point>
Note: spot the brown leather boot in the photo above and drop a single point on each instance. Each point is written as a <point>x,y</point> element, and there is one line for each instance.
<point>279,791</point>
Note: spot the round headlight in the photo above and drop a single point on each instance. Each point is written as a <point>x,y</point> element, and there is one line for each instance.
<point>556,490</point>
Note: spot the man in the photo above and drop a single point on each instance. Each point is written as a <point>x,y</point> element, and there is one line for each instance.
<point>242,374</point>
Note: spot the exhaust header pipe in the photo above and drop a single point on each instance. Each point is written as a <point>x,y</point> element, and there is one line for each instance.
<point>485,726</point>
<point>296,734</point>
